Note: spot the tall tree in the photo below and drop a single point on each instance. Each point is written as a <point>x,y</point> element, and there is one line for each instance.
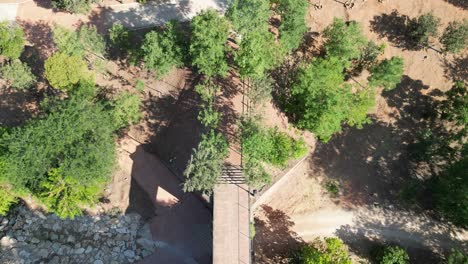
<point>207,48</point>
<point>293,26</point>
<point>344,40</point>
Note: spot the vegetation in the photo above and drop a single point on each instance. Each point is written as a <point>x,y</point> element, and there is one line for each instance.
<point>63,71</point>
<point>125,109</point>
<point>344,40</point>
<point>162,50</point>
<point>457,257</point>
<point>393,255</point>
<point>259,90</point>
<point>119,37</point>
<point>369,55</point>
<point>18,75</point>
<point>455,37</point>
<point>387,73</point>
<point>420,29</point>
<point>79,43</point>
<point>248,15</point>
<point>207,48</point>
<point>11,40</point>
<point>332,188</point>
<point>333,251</point>
<point>73,6</point>
<point>7,199</point>
<point>293,26</point>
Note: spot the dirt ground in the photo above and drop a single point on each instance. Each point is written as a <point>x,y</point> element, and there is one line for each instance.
<point>370,164</point>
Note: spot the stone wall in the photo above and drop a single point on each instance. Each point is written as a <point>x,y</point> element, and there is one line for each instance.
<point>31,237</point>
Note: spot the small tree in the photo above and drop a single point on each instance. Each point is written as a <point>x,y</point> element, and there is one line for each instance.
<point>162,50</point>
<point>369,55</point>
<point>207,48</point>
<point>344,40</point>
<point>457,257</point>
<point>420,29</point>
<point>11,40</point>
<point>388,73</point>
<point>18,74</point>
<point>119,37</point>
<point>455,37</point>
<point>293,26</point>
<point>125,109</point>
<point>394,255</point>
<point>249,15</point>
<point>79,43</point>
<point>63,71</point>
<point>333,251</point>
<point>256,54</point>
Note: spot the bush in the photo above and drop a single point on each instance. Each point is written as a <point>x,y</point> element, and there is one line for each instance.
<point>344,40</point>
<point>18,75</point>
<point>209,35</point>
<point>140,86</point>
<point>387,74</point>
<point>455,37</point>
<point>332,188</point>
<point>125,109</point>
<point>119,37</point>
<point>420,29</point>
<point>293,26</point>
<point>457,257</point>
<point>79,43</point>
<point>358,105</point>
<point>11,40</point>
<point>206,163</point>
<point>332,252</point>
<point>260,90</point>
<point>393,255</point>
<point>63,71</point>
<point>369,55</point>
<point>162,51</point>
<point>75,137</point>
<point>73,6</point>
<point>7,199</point>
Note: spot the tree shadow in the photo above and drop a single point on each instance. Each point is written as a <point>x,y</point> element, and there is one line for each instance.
<point>457,69</point>
<point>17,106</point>
<point>372,164</point>
<point>427,243</point>
<point>459,3</point>
<point>394,27</point>
<point>274,239</point>
<point>47,4</point>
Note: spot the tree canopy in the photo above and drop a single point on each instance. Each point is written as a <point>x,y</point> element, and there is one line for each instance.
<point>387,73</point>
<point>455,37</point>
<point>18,74</point>
<point>333,251</point>
<point>293,26</point>
<point>63,71</point>
<point>11,40</point>
<point>249,15</point>
<point>207,47</point>
<point>420,29</point>
<point>344,40</point>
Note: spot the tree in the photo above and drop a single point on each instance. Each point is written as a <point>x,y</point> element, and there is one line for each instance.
<point>73,6</point>
<point>162,50</point>
<point>18,75</point>
<point>420,29</point>
<point>209,35</point>
<point>249,15</point>
<point>369,55</point>
<point>11,40</point>
<point>79,43</point>
<point>293,26</point>
<point>119,37</point>
<point>358,105</point>
<point>206,163</point>
<point>63,71</point>
<point>344,40</point>
<point>455,37</point>
<point>77,153</point>
<point>333,251</point>
<point>393,255</point>
<point>125,109</point>
<point>387,73</point>
<point>259,90</point>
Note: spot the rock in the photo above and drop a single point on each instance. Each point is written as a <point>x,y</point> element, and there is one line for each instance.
<point>7,242</point>
<point>129,254</point>
<point>98,261</point>
<point>43,253</point>
<point>35,240</point>
<point>55,247</point>
<point>146,243</point>
<point>71,239</point>
<point>54,236</point>
<point>96,237</point>
<point>79,251</point>
<point>88,249</point>
<point>20,238</point>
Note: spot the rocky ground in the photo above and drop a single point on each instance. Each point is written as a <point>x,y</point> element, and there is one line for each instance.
<point>33,237</point>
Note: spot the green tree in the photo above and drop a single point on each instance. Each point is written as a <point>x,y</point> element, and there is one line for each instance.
<point>63,71</point>
<point>293,25</point>
<point>79,43</point>
<point>256,54</point>
<point>455,37</point>
<point>394,255</point>
<point>457,257</point>
<point>73,6</point>
<point>18,75</point>
<point>125,109</point>
<point>420,29</point>
<point>207,48</point>
<point>388,73</point>
<point>358,105</point>
<point>333,251</point>
<point>249,15</point>
<point>206,163</point>
<point>369,55</point>
<point>162,50</point>
<point>344,40</point>
<point>7,199</point>
<point>11,40</point>
<point>119,37</point>
<point>259,90</point>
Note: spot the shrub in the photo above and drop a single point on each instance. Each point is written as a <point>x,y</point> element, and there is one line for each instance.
<point>18,74</point>
<point>423,27</point>
<point>7,199</point>
<point>344,40</point>
<point>206,163</point>
<point>358,105</point>
<point>209,35</point>
<point>11,40</point>
<point>75,137</point>
<point>140,86</point>
<point>63,71</point>
<point>369,55</point>
<point>388,73</point>
<point>119,37</point>
<point>333,251</point>
<point>79,43</point>
<point>457,257</point>
<point>394,255</point>
<point>332,188</point>
<point>73,6</point>
<point>260,90</point>
<point>162,51</point>
<point>125,109</point>
<point>293,26</point>
<point>455,37</point>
